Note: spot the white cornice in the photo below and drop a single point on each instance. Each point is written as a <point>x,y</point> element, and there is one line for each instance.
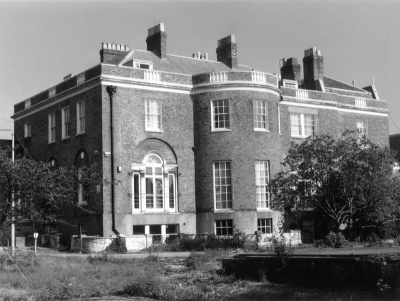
<point>234,86</point>
<point>57,99</point>
<point>335,108</point>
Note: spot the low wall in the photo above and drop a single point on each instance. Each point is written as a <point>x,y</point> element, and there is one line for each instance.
<point>292,238</point>
<point>99,244</point>
<point>339,272</point>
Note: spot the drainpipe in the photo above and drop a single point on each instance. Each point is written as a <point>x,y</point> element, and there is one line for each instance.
<point>111,90</point>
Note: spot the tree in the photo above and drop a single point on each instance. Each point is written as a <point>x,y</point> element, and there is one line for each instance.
<point>41,193</point>
<point>351,181</point>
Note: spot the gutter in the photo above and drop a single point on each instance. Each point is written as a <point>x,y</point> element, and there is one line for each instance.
<point>111,90</point>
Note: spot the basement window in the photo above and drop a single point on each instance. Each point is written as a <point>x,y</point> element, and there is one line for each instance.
<point>138,230</point>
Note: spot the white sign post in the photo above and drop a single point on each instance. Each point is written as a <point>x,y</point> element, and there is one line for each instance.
<point>35,235</point>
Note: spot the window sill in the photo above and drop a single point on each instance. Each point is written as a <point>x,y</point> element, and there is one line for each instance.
<point>261,130</point>
<point>154,131</point>
<point>78,134</point>
<point>82,204</point>
<point>65,138</point>
<point>155,212</point>
<point>224,210</point>
<point>264,210</point>
<point>52,142</point>
<point>220,130</point>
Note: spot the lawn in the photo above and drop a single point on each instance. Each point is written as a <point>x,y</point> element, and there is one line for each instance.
<point>198,277</point>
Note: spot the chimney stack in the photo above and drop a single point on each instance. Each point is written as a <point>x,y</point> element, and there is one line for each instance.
<point>313,64</point>
<point>112,53</point>
<point>227,51</point>
<point>157,41</point>
<point>290,69</point>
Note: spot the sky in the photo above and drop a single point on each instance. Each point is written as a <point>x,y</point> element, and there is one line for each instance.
<point>43,41</point>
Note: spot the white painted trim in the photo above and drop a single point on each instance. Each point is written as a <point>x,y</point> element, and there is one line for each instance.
<point>215,88</point>
<point>144,87</point>
<point>142,81</point>
<point>289,103</point>
<point>50,101</point>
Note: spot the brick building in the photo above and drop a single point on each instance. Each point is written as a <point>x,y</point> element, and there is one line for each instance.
<point>192,142</point>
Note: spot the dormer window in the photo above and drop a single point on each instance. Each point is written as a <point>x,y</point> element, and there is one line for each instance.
<point>143,65</point>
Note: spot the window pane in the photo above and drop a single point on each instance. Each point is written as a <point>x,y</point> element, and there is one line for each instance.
<point>136,191</point>
<point>153,114</point>
<point>260,114</point>
<point>295,124</point>
<point>262,180</point>
<point>171,191</point>
<point>222,186</point>
<point>221,113</point>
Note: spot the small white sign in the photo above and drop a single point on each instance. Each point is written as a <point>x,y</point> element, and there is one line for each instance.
<point>35,235</point>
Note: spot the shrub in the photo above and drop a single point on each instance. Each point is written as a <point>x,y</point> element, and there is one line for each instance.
<point>373,240</point>
<point>333,240</point>
<point>118,245</point>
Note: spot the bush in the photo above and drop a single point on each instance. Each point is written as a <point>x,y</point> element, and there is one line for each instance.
<point>118,245</point>
<point>333,240</point>
<point>373,240</point>
<point>201,243</point>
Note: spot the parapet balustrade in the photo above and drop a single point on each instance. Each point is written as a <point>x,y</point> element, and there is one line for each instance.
<point>151,75</point>
<point>303,94</point>
<point>258,77</point>
<point>218,77</point>
<point>361,102</point>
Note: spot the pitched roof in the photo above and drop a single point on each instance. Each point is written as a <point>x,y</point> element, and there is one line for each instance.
<point>335,84</point>
<point>179,64</point>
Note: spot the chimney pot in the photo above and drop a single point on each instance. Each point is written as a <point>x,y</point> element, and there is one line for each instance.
<point>290,69</point>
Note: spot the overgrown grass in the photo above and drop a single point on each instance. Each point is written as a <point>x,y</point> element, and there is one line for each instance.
<point>200,277</point>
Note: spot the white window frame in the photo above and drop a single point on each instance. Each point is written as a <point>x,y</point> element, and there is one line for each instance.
<point>52,127</point>
<point>215,120</point>
<point>80,117</point>
<point>224,225</point>
<point>302,117</point>
<point>260,111</point>
<point>81,191</point>
<point>27,130</point>
<point>362,130</point>
<point>138,64</point>
<point>224,186</point>
<point>262,225</point>
<point>83,229</point>
<point>169,192</point>
<point>263,197</point>
<point>66,122</point>
<point>150,115</point>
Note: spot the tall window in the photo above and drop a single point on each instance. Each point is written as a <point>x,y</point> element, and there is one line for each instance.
<point>220,114</point>
<point>260,114</point>
<point>222,185</point>
<point>27,130</point>
<point>362,128</point>
<point>223,227</point>
<point>155,188</point>
<point>154,183</point>
<point>80,117</point>
<point>302,125</point>
<point>65,122</point>
<point>262,180</point>
<point>264,225</point>
<point>52,127</point>
<point>153,115</point>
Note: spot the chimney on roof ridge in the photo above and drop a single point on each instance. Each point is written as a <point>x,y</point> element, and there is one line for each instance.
<point>112,53</point>
<point>290,69</point>
<point>227,51</point>
<point>313,66</point>
<point>157,40</point>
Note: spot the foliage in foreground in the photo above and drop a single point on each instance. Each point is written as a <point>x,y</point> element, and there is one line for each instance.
<point>40,191</point>
<point>201,278</point>
<point>349,181</point>
<point>200,243</point>
<point>333,240</point>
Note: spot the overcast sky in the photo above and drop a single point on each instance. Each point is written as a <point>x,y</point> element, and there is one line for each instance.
<point>42,41</point>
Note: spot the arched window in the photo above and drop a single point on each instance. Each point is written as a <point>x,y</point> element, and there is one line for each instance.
<point>154,185</point>
<point>82,161</point>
